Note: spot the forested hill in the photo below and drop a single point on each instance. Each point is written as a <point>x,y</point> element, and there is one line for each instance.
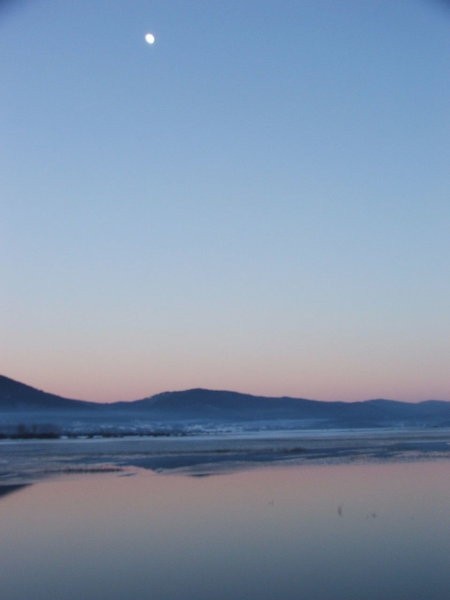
<point>212,405</point>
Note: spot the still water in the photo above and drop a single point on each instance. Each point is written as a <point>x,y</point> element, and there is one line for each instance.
<point>340,532</point>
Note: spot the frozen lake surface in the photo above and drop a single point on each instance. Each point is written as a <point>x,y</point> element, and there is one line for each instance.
<point>328,519</point>
<point>29,461</point>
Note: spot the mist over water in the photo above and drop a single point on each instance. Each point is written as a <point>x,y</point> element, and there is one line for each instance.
<point>374,531</point>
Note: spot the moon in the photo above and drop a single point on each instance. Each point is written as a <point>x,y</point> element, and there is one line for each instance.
<point>150,38</point>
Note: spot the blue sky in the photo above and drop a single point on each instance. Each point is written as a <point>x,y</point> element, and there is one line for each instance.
<point>259,201</point>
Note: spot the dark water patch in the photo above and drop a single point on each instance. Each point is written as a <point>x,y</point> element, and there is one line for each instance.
<point>6,489</point>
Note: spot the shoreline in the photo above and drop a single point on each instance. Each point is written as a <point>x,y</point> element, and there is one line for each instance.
<point>27,461</point>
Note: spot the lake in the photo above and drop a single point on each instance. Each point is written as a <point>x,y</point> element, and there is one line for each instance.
<point>370,530</point>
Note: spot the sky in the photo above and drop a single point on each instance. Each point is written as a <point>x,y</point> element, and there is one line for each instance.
<point>259,201</point>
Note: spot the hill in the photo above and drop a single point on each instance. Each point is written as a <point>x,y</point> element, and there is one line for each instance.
<point>16,396</point>
<point>203,406</point>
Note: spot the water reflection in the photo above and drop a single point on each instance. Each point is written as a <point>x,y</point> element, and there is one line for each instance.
<point>377,531</point>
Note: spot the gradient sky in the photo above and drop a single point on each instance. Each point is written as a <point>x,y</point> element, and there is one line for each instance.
<point>257,202</point>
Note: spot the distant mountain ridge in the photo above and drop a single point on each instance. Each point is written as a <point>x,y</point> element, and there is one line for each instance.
<point>224,406</point>
<point>15,395</point>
